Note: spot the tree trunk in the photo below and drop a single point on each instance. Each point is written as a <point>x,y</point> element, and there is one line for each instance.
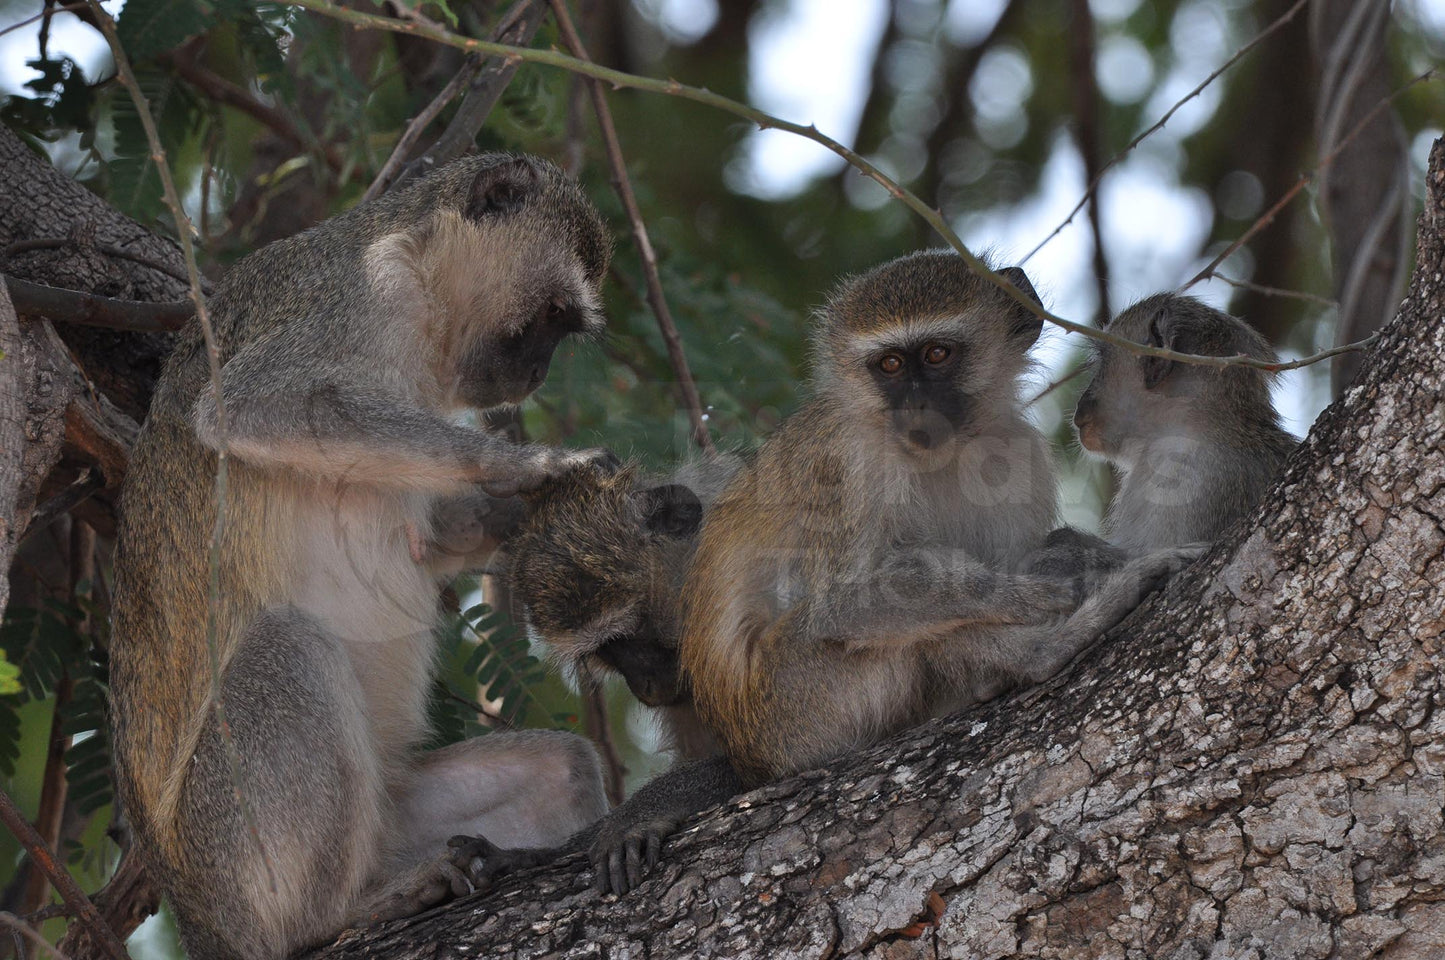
<point>1253,766</point>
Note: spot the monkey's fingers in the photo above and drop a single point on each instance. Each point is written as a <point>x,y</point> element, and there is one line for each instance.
<point>634,861</point>
<point>654,847</point>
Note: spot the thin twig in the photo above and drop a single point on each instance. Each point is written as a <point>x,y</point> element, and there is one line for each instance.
<point>221,90</point>
<point>1275,291</point>
<point>517,26</point>
<point>623,185</point>
<point>933,217</point>
<point>1055,385</point>
<point>419,123</point>
<point>1266,218</point>
<point>1263,35</point>
<point>47,12</point>
<point>23,928</point>
<point>213,357</point>
<point>599,731</point>
<point>60,878</point>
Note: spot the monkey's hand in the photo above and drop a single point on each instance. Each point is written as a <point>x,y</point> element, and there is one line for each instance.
<point>484,863</point>
<point>422,887</point>
<point>468,532</point>
<point>534,466</point>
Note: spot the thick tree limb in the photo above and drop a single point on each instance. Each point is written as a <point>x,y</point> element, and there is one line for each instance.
<point>1252,766</point>
<point>37,200</point>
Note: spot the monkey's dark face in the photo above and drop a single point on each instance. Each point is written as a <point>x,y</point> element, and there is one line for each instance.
<point>507,368</point>
<point>649,667</point>
<point>919,383</point>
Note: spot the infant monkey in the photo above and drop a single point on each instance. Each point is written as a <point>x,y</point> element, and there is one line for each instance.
<point>1195,447</point>
<point>598,566</point>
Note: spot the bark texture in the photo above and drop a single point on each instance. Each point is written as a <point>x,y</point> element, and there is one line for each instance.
<point>1251,766</point>
<point>37,201</point>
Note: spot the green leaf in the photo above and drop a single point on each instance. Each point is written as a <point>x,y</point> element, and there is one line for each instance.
<point>9,676</point>
<point>148,28</point>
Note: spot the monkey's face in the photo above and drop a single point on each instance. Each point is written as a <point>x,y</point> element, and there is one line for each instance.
<point>596,567</point>
<point>506,368</point>
<point>919,384</point>
<point>1133,402</point>
<point>928,351</point>
<point>508,276</point>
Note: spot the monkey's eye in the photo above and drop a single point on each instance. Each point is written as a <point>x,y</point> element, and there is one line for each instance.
<point>890,363</point>
<point>555,311</point>
<point>936,353</point>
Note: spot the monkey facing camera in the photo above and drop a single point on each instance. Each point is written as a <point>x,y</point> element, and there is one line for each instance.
<point>344,352</point>
<point>861,575</point>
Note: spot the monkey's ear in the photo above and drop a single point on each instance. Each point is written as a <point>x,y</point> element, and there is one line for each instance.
<point>503,188</point>
<point>1026,325</point>
<point>672,510</point>
<point>1161,334</point>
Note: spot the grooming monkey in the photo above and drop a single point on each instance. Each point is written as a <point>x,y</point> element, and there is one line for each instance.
<point>1196,447</point>
<point>598,566</point>
<point>858,577</point>
<point>345,351</point>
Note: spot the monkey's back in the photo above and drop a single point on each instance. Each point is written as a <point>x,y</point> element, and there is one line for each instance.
<point>160,658</point>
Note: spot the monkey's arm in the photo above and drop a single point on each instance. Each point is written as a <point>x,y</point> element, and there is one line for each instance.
<point>920,596</point>
<point>338,426</point>
<point>1037,652</point>
<point>623,845</point>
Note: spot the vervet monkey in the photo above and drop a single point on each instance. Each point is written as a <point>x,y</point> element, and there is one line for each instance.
<point>858,577</point>
<point>1195,446</point>
<point>346,350</point>
<point>598,566</point>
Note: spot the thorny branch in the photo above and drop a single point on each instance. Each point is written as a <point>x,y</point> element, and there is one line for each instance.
<point>619,79</point>
<point>1263,35</point>
<point>213,355</point>
<point>623,184</point>
<point>60,878</point>
<point>1305,180</point>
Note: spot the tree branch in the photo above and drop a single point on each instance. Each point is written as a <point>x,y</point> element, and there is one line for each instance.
<point>623,185</point>
<point>87,309</point>
<point>933,217</point>
<point>74,897</point>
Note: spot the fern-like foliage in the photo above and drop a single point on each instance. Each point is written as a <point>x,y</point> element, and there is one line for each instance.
<point>502,662</point>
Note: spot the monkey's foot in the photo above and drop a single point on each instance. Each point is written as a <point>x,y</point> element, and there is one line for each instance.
<point>483,862</point>
<point>418,889</point>
<point>624,853</point>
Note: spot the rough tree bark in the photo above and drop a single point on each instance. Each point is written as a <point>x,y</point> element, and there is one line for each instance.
<point>1253,766</point>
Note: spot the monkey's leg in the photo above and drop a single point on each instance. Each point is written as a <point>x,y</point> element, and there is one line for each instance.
<point>310,780</point>
<point>625,844</point>
<point>527,791</point>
